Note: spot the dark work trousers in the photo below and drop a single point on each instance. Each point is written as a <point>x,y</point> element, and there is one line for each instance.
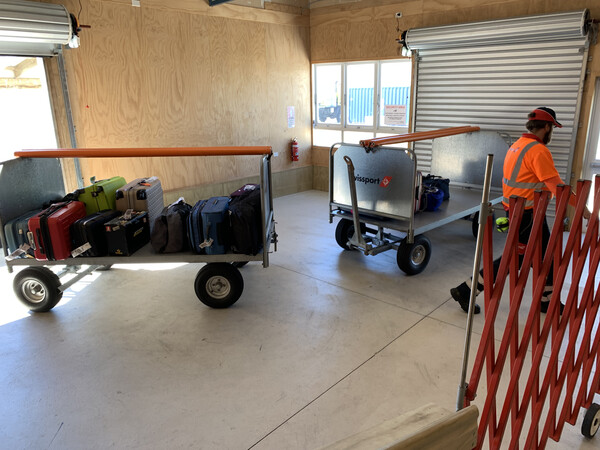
<point>524,232</point>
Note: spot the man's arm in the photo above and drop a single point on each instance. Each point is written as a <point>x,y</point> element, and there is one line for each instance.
<point>552,185</point>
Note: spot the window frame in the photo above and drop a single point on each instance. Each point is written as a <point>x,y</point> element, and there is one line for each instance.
<point>377,128</point>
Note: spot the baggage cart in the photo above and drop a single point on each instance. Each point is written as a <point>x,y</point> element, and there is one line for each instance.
<point>218,284</point>
<point>372,189</point>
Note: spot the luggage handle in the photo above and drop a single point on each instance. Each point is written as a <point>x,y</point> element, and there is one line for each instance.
<point>31,240</point>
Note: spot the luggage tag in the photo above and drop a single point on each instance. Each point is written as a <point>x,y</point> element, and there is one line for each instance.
<point>20,253</point>
<point>81,249</point>
<point>128,214</point>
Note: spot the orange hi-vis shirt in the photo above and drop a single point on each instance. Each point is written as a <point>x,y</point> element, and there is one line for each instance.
<point>527,165</point>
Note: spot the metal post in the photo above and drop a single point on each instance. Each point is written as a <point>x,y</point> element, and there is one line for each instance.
<point>65,91</point>
<point>484,212</point>
<point>357,238</point>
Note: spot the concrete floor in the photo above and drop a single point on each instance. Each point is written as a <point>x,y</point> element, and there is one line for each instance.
<point>322,344</point>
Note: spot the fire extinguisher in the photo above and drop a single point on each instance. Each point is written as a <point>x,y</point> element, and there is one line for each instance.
<point>295,149</point>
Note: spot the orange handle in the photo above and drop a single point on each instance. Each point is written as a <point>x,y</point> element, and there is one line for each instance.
<point>419,136</point>
<point>143,152</point>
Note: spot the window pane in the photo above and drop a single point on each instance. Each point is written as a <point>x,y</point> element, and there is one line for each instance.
<point>360,82</point>
<point>402,145</point>
<point>354,137</point>
<point>328,81</point>
<point>395,93</point>
<point>25,115</point>
<point>326,138</point>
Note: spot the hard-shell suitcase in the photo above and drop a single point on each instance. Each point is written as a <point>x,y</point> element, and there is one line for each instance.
<point>143,194</point>
<point>194,228</point>
<point>127,235</point>
<point>90,230</point>
<point>246,223</point>
<point>215,225</point>
<point>50,231</point>
<point>100,195</point>
<point>16,230</point>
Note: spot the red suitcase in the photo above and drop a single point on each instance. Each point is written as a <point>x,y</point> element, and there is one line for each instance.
<point>49,231</point>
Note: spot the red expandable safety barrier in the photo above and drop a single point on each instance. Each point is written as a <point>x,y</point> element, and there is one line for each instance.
<point>539,398</point>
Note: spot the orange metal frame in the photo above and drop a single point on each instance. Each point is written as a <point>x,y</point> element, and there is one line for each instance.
<point>143,152</point>
<point>418,136</point>
<point>546,386</point>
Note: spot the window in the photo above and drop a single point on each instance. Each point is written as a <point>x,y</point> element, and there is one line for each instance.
<point>360,100</point>
<point>25,114</point>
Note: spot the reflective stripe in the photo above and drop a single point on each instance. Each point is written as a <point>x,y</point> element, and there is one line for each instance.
<point>528,203</point>
<point>517,167</point>
<point>517,184</point>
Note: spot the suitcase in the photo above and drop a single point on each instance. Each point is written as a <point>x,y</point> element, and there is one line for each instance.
<point>90,230</point>
<point>246,223</point>
<point>170,228</point>
<point>49,231</point>
<point>215,225</point>
<point>100,195</point>
<point>16,230</point>
<point>125,236</point>
<point>143,194</point>
<point>194,228</point>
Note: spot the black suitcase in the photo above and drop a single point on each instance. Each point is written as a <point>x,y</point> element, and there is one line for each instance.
<point>127,235</point>
<point>90,230</point>
<point>246,223</point>
<point>194,228</point>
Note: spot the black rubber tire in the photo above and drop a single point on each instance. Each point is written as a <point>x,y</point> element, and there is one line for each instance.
<point>37,288</point>
<point>219,285</point>
<point>591,421</point>
<point>239,264</point>
<point>413,258</point>
<point>345,230</point>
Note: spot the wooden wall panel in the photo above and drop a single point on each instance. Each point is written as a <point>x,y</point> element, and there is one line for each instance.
<point>178,74</point>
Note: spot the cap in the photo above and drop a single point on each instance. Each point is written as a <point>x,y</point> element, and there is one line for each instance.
<point>545,114</point>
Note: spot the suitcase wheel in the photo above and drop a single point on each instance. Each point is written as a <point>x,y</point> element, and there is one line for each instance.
<point>37,288</point>
<point>219,285</point>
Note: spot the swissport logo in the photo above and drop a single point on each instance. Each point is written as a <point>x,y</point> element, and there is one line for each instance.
<point>367,180</point>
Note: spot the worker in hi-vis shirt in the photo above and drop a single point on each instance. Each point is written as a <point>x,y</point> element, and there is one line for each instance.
<point>528,166</point>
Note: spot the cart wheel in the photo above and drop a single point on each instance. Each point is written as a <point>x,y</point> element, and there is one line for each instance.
<point>219,285</point>
<point>345,230</point>
<point>239,264</point>
<point>413,258</point>
<point>37,288</point>
<point>591,421</point>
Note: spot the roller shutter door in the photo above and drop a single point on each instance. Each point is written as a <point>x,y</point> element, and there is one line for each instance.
<point>30,28</point>
<point>491,74</point>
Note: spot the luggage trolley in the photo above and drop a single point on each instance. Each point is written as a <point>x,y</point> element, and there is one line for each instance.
<point>372,190</point>
<point>25,186</point>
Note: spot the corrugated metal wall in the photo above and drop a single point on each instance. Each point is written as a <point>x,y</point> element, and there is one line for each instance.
<point>495,84</point>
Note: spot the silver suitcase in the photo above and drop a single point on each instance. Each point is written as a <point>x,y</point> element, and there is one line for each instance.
<point>143,194</point>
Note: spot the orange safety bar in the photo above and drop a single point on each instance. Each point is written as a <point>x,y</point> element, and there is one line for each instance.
<point>419,136</point>
<point>143,152</point>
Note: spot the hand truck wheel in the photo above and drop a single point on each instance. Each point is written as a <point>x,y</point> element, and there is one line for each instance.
<point>37,288</point>
<point>591,421</point>
<point>219,285</point>
<point>345,230</point>
<point>413,258</point>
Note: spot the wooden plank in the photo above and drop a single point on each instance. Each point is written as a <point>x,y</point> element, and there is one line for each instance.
<point>429,427</point>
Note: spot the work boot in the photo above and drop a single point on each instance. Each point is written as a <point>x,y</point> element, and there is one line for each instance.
<point>462,294</point>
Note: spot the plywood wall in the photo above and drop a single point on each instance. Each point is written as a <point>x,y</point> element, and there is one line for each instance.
<point>368,29</point>
<point>180,73</point>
